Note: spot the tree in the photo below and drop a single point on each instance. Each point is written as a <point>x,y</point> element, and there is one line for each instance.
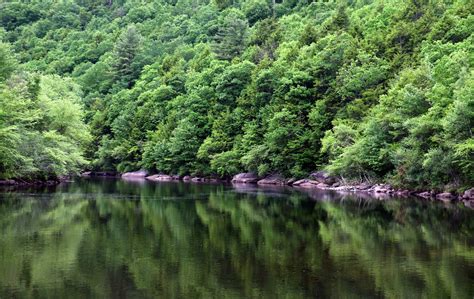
<point>126,50</point>
<point>231,36</point>
<point>7,62</point>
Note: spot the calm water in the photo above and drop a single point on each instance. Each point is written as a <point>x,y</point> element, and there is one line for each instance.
<point>111,238</point>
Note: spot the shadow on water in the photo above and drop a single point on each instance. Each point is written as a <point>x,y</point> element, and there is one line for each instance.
<point>114,238</point>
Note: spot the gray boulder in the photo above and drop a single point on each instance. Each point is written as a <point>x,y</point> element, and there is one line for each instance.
<point>382,189</point>
<point>161,178</point>
<point>363,187</point>
<point>245,178</point>
<point>323,177</point>
<point>273,180</point>
<point>469,194</point>
<point>307,184</point>
<point>322,186</point>
<point>299,182</point>
<point>445,196</point>
<point>135,174</point>
<point>425,194</point>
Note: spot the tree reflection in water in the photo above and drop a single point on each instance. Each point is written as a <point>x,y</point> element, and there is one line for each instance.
<point>110,238</point>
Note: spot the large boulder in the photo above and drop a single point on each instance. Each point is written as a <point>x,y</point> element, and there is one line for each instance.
<point>323,177</point>
<point>135,174</point>
<point>425,194</point>
<point>8,182</point>
<point>322,186</point>
<point>468,194</point>
<point>245,178</point>
<point>445,196</point>
<point>382,188</point>
<point>273,180</point>
<point>162,178</point>
<point>306,183</point>
<point>363,186</point>
<point>299,182</point>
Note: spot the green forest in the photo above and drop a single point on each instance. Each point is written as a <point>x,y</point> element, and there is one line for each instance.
<point>379,90</point>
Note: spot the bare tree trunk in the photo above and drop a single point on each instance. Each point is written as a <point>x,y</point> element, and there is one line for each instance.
<point>273,6</point>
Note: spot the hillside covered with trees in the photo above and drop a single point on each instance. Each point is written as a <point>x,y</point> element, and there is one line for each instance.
<point>378,90</point>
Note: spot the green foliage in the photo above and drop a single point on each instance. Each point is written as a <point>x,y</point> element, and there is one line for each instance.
<point>43,133</point>
<point>367,89</point>
<point>7,62</point>
<point>231,36</point>
<point>125,53</point>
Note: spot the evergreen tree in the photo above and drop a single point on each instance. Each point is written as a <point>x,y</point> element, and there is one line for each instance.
<point>125,65</point>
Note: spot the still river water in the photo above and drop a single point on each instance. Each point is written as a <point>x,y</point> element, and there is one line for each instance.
<point>117,239</point>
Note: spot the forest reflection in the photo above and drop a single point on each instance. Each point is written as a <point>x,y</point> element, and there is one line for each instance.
<point>111,238</point>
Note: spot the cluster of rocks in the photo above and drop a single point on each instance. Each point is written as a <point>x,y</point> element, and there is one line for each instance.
<point>447,196</point>
<point>324,181</point>
<point>99,174</point>
<point>29,183</point>
<point>140,174</point>
<point>163,178</point>
<point>318,180</point>
<point>144,175</point>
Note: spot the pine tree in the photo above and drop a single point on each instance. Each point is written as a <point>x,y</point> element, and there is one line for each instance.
<point>230,39</point>
<point>126,50</point>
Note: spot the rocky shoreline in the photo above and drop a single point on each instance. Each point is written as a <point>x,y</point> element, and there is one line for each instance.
<point>320,180</point>
<point>25,183</point>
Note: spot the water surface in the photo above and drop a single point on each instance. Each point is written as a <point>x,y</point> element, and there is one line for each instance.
<point>116,239</point>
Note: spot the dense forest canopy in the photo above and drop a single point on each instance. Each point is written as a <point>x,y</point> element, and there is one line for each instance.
<point>367,89</point>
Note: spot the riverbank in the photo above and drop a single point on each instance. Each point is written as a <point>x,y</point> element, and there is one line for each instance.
<point>20,182</point>
<point>320,180</point>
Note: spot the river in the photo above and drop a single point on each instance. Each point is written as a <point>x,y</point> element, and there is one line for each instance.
<point>109,238</point>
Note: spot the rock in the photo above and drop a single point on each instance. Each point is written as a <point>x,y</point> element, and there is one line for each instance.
<point>245,178</point>
<point>403,192</point>
<point>382,189</point>
<point>322,186</point>
<point>308,184</point>
<point>272,180</point>
<point>299,182</point>
<point>323,177</point>
<point>8,182</point>
<point>425,194</point>
<point>468,194</point>
<point>363,187</point>
<point>135,174</point>
<point>86,173</point>
<point>162,178</point>
<point>216,180</point>
<point>445,196</point>
<point>336,184</point>
<point>343,188</point>
<point>187,178</point>
<point>290,181</point>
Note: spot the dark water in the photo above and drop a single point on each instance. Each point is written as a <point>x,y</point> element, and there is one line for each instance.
<point>115,239</point>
